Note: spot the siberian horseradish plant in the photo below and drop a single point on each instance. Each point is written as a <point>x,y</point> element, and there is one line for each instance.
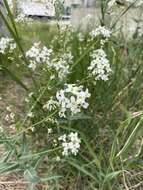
<point>81,107</point>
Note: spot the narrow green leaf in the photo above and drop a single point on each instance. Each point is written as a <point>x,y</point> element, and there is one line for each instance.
<point>112,175</point>
<point>7,167</point>
<point>31,176</point>
<point>132,138</point>
<point>50,178</point>
<point>83,170</point>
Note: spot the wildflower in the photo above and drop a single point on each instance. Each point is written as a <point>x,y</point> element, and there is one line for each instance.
<point>70,144</point>
<point>80,37</point>
<point>101,30</point>
<point>64,26</point>
<point>99,68</point>
<point>55,143</point>
<point>9,108</point>
<point>21,18</point>
<point>12,116</point>
<point>58,158</point>
<point>7,45</point>
<point>51,104</point>
<point>30,114</point>
<point>1,129</point>
<point>72,99</point>
<point>51,120</point>
<point>62,65</point>
<point>36,54</point>
<point>52,77</point>
<point>111,3</point>
<point>12,126</point>
<point>32,129</point>
<point>7,118</point>
<point>50,131</point>
<point>32,65</point>
<point>29,96</point>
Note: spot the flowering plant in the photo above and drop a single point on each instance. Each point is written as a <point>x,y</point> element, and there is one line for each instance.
<point>80,112</point>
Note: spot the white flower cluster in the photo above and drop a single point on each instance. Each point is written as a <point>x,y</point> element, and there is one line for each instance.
<point>80,37</point>
<point>21,18</point>
<point>62,65</point>
<point>10,115</point>
<point>99,68</point>
<point>101,30</point>
<point>70,144</point>
<point>72,99</point>
<point>7,45</point>
<point>51,104</point>
<point>64,26</point>
<point>111,3</point>
<point>36,54</point>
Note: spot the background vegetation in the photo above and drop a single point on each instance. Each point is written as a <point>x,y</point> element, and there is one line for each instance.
<point>111,131</point>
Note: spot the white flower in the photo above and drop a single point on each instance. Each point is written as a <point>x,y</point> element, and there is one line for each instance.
<point>101,30</point>
<point>72,99</point>
<point>21,18</point>
<point>12,116</point>
<point>1,129</point>
<point>58,158</point>
<point>62,65</point>
<point>7,45</point>
<point>64,26</point>
<point>27,99</point>
<point>9,108</point>
<point>30,114</point>
<point>37,54</point>
<point>99,68</point>
<point>70,144</point>
<point>32,65</point>
<point>50,131</point>
<point>111,3</point>
<point>80,37</point>
<point>30,94</point>
<point>51,104</point>
<point>63,138</point>
<point>7,118</point>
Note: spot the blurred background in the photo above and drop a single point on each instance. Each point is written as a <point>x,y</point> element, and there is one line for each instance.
<point>85,12</point>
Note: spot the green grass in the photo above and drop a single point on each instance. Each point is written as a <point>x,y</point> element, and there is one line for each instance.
<point>36,31</point>
<point>111,131</point>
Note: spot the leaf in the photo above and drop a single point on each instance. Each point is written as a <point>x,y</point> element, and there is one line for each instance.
<point>10,16</point>
<point>112,175</point>
<point>79,116</point>
<point>36,155</point>
<point>24,146</point>
<point>131,138</point>
<point>7,167</point>
<point>50,178</point>
<point>7,156</point>
<point>30,175</point>
<point>83,170</point>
